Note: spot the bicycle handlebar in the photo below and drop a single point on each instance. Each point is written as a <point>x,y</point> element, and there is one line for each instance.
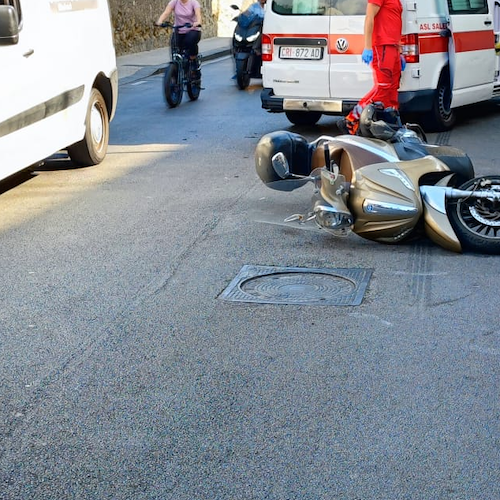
<point>167,24</point>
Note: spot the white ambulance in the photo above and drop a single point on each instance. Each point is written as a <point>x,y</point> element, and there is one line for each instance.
<point>312,57</point>
<point>58,83</point>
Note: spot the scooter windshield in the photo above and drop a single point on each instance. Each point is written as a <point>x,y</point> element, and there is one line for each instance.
<point>245,19</point>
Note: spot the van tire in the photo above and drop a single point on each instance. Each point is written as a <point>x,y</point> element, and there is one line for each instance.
<point>91,150</point>
<point>442,117</point>
<point>303,117</point>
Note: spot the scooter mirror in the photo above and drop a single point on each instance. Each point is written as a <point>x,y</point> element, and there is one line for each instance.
<point>280,165</point>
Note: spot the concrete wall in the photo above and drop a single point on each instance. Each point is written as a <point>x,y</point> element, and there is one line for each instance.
<point>133,23</point>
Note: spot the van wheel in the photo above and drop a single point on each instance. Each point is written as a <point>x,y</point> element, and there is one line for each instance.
<point>442,116</point>
<point>303,117</point>
<point>91,150</point>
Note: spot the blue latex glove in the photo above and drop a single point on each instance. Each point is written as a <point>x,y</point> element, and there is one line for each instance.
<point>403,63</point>
<point>367,56</point>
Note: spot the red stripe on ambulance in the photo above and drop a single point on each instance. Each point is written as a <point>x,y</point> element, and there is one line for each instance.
<point>412,45</point>
<point>474,40</point>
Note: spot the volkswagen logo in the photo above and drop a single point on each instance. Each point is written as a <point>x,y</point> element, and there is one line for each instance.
<point>342,45</point>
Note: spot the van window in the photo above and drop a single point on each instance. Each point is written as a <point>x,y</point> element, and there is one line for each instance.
<point>319,7</point>
<point>15,4</point>
<point>468,6</point>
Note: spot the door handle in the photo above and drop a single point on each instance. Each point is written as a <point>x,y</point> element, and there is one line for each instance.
<point>29,53</point>
<point>487,22</point>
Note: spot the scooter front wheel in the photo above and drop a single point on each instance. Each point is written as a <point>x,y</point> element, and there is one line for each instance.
<point>242,76</point>
<point>477,221</point>
<point>172,86</point>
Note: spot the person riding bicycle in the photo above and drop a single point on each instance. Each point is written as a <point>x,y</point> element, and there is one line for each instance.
<point>185,11</point>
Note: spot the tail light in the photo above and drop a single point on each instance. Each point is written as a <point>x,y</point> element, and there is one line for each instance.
<point>267,48</point>
<point>409,48</point>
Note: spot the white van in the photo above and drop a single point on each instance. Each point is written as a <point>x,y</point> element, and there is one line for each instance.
<point>312,57</point>
<point>59,81</point>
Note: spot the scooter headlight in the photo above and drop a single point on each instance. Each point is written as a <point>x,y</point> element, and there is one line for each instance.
<point>328,217</point>
<point>253,37</point>
<point>238,37</point>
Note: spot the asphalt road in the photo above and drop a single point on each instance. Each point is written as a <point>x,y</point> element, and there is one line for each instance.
<point>124,375</point>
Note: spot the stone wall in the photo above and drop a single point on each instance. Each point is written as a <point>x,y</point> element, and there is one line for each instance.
<point>133,23</point>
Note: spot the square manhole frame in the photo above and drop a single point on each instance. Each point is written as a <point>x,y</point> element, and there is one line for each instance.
<point>358,276</point>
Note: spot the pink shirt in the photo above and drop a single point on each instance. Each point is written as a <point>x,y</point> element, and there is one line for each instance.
<point>184,13</point>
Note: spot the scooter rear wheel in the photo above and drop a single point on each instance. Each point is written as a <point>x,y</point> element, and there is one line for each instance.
<point>477,222</point>
<point>242,76</point>
<point>172,86</point>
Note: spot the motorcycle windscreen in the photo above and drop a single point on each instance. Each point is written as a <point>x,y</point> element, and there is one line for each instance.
<point>350,78</point>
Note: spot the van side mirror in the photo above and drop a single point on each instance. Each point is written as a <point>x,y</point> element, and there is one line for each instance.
<point>9,25</point>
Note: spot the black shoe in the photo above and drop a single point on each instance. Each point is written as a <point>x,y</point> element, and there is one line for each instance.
<point>195,74</point>
<point>342,126</point>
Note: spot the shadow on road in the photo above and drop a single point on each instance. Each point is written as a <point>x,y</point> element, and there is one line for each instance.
<point>15,180</point>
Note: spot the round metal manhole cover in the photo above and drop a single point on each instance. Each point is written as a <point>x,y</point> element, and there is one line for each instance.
<point>301,286</point>
<point>298,287</point>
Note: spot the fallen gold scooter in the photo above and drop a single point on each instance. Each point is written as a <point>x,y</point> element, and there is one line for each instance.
<point>384,189</point>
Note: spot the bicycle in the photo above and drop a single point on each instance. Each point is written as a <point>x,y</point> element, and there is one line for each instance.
<point>182,73</point>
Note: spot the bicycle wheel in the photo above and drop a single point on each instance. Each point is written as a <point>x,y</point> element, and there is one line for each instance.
<point>172,87</point>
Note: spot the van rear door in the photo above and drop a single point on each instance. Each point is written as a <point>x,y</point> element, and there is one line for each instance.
<point>472,52</point>
<point>299,35</point>
<point>350,79</point>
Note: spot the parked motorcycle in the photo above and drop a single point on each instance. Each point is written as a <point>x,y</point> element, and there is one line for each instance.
<point>247,45</point>
<point>383,190</point>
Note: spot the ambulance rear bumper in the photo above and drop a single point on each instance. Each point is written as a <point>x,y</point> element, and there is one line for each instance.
<point>419,101</point>
<point>326,106</point>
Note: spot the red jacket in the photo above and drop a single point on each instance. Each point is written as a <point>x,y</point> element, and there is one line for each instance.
<point>387,26</point>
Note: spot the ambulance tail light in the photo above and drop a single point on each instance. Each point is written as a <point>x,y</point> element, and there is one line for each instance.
<point>409,48</point>
<point>267,48</point>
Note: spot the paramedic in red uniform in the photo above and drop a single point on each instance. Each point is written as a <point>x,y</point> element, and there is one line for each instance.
<point>382,33</point>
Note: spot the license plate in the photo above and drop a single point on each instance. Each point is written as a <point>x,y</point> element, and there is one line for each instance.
<point>310,53</point>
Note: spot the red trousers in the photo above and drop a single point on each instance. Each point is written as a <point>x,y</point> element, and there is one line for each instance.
<point>386,67</point>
